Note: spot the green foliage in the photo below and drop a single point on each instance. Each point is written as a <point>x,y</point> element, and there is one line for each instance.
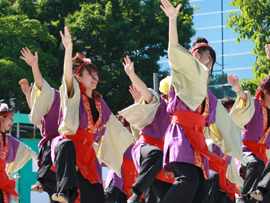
<point>251,22</point>
<point>104,31</point>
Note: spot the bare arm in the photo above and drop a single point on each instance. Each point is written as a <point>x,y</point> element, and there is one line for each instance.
<point>67,42</point>
<point>172,13</point>
<point>137,82</point>
<point>32,61</point>
<point>234,82</point>
<point>26,89</point>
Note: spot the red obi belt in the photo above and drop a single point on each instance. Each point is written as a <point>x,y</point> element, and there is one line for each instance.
<point>7,186</point>
<point>193,125</point>
<point>258,149</point>
<point>220,166</point>
<point>162,175</point>
<point>85,154</point>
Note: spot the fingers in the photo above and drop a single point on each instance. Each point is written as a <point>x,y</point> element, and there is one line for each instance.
<point>166,3</point>
<point>179,6</point>
<point>61,33</point>
<point>36,54</point>
<point>66,31</point>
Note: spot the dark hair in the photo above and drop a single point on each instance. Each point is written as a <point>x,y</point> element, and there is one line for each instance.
<point>202,40</point>
<point>77,61</point>
<point>227,101</point>
<point>122,120</point>
<point>6,110</point>
<point>264,84</point>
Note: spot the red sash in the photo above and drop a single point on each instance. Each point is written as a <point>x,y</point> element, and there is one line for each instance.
<point>193,125</point>
<point>220,166</point>
<point>162,175</point>
<point>85,154</point>
<point>258,149</point>
<point>129,173</point>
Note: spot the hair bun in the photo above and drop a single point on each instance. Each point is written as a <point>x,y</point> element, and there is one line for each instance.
<point>199,40</point>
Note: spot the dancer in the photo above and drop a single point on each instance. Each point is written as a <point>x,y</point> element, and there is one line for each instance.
<point>86,118</point>
<point>192,107</point>
<point>252,114</point>
<point>120,189</point>
<point>13,152</point>
<point>150,116</point>
<point>45,106</point>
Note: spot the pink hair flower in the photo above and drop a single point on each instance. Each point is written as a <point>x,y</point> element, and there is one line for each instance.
<point>87,60</point>
<point>3,107</point>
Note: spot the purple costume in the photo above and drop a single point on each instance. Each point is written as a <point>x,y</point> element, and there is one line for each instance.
<point>177,147</point>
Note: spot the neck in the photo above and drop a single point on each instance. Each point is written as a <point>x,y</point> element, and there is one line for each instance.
<point>266,100</point>
<point>89,93</point>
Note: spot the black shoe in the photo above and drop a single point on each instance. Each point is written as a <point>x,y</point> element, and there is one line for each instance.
<point>135,198</point>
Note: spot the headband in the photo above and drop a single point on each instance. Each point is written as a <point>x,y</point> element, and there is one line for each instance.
<point>86,60</point>
<point>7,113</point>
<point>199,46</point>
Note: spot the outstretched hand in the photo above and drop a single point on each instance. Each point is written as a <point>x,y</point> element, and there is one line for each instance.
<point>233,80</point>
<point>128,66</point>
<point>267,50</point>
<point>135,93</point>
<point>66,38</point>
<point>26,88</point>
<point>28,57</point>
<point>169,9</point>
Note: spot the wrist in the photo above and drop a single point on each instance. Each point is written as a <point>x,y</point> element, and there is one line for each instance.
<point>237,89</point>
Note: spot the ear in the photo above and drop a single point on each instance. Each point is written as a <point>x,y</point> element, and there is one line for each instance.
<point>196,55</point>
<point>79,78</point>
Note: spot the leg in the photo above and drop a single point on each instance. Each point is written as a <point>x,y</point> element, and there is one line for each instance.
<point>186,183</point>
<point>151,165</point>
<point>253,172</point>
<point>213,192</point>
<point>112,194</point>
<point>122,198</point>
<point>160,189</point>
<point>202,191</point>
<point>1,197</point>
<point>65,165</point>
<point>90,193</point>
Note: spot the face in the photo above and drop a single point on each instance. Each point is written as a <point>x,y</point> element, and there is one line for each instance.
<point>89,81</point>
<point>204,58</point>
<point>6,122</point>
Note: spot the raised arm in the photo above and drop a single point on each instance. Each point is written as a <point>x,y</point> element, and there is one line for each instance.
<point>172,13</point>
<point>67,42</point>
<point>137,82</point>
<point>26,89</point>
<point>32,61</point>
<point>234,82</point>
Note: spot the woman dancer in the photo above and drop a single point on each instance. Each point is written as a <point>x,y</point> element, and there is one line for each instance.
<point>45,106</point>
<point>192,107</point>
<point>86,118</point>
<point>13,152</point>
<point>151,117</point>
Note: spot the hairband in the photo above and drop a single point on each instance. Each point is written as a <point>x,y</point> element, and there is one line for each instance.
<point>7,113</point>
<point>86,60</point>
<point>202,45</point>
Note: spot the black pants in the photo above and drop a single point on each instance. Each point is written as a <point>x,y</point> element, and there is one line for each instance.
<point>114,194</point>
<point>190,185</point>
<point>69,179</point>
<point>151,165</point>
<point>252,171</point>
<point>1,197</point>
<point>45,175</point>
<point>214,194</point>
<point>159,190</point>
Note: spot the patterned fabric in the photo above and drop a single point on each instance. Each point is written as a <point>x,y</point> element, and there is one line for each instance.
<point>265,122</point>
<point>92,127</point>
<point>198,157</point>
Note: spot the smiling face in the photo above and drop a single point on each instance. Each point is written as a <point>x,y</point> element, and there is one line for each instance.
<point>88,80</point>
<point>204,58</point>
<point>6,122</point>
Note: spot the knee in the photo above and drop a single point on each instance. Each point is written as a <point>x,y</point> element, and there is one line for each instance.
<point>257,165</point>
<point>65,145</point>
<point>157,156</point>
<point>188,181</point>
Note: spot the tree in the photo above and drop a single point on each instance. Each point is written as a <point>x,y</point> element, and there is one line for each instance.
<point>17,32</point>
<point>107,31</point>
<point>252,22</point>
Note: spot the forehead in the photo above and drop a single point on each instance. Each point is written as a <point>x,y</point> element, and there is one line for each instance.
<point>10,115</point>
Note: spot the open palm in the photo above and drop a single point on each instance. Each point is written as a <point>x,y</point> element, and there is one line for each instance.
<point>66,37</point>
<point>28,57</point>
<point>169,9</point>
<point>26,88</point>
<point>233,80</point>
<point>128,66</point>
